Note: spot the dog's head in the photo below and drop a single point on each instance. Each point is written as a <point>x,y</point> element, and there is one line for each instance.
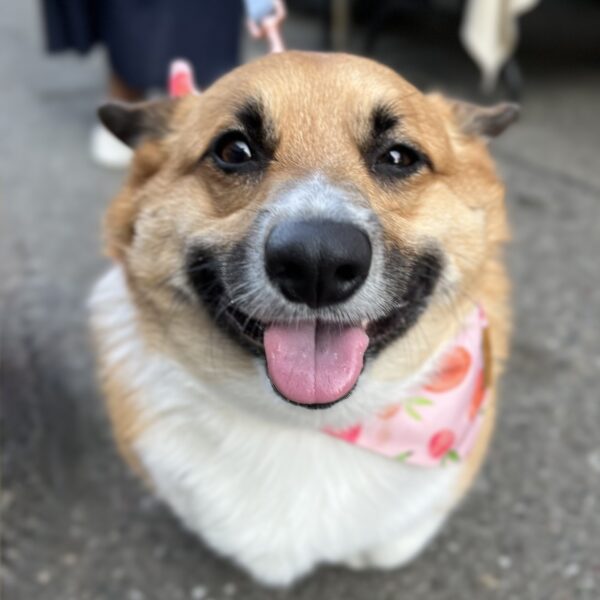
<point>301,218</point>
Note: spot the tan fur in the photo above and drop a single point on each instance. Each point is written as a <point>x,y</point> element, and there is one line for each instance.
<point>320,106</point>
<point>127,423</point>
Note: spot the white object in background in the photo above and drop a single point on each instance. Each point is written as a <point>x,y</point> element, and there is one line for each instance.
<point>107,150</point>
<point>489,32</point>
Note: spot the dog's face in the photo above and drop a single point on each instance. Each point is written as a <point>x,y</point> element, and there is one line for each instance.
<point>301,218</point>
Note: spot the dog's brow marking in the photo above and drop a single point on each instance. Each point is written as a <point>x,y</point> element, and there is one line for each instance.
<point>382,119</point>
<point>251,116</point>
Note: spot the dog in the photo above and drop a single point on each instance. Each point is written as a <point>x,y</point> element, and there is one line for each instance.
<point>301,337</point>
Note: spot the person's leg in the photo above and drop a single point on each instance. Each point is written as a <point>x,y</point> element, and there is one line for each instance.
<point>209,37</point>
<point>142,37</point>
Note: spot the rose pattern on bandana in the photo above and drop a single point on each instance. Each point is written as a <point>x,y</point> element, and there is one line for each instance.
<point>438,424</point>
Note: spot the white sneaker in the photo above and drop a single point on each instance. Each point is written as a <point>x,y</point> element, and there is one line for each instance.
<point>107,150</point>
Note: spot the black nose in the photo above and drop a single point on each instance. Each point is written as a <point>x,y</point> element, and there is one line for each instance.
<point>317,263</point>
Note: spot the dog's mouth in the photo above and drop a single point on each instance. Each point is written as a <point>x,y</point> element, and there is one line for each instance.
<point>313,363</point>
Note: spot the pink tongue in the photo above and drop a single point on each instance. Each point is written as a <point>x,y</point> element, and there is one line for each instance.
<point>314,363</point>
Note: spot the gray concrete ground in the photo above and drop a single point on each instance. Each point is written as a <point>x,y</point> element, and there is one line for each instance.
<point>77,526</point>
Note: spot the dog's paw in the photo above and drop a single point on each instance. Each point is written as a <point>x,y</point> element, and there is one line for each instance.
<point>398,552</point>
<point>385,557</point>
<point>272,571</point>
<point>358,562</point>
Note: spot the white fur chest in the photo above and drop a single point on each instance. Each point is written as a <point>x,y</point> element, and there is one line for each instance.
<point>281,500</point>
<point>276,499</point>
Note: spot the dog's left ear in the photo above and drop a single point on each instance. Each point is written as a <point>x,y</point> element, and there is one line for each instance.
<point>484,121</point>
<point>134,123</point>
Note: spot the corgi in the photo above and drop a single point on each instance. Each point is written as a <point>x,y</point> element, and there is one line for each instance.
<point>302,333</point>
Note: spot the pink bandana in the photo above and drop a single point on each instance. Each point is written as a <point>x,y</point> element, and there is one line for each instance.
<point>440,422</point>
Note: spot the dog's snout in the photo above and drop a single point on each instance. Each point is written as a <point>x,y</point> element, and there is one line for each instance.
<point>317,262</point>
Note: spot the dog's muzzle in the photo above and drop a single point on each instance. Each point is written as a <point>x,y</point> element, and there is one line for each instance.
<point>312,287</point>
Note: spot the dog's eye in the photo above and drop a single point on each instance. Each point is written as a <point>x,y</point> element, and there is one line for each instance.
<point>234,151</point>
<point>400,157</point>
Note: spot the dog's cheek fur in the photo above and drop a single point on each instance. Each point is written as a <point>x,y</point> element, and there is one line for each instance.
<point>460,212</point>
<point>119,222</point>
<point>170,316</point>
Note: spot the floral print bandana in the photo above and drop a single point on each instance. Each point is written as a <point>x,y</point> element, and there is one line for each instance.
<point>439,423</point>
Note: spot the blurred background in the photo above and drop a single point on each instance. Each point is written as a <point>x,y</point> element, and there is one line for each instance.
<point>75,524</point>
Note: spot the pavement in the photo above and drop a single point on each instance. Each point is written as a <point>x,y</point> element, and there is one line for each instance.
<point>78,526</point>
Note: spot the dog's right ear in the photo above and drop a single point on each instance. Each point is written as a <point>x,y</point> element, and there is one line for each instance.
<point>134,123</point>
<point>484,121</point>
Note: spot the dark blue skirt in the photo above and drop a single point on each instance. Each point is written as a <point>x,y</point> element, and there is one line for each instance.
<point>143,36</point>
